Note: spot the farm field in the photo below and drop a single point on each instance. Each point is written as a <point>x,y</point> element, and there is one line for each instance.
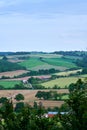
<point>32,62</point>
<point>66,73</point>
<point>60,82</point>
<point>30,97</point>
<point>60,62</point>
<point>8,83</point>
<point>13,73</point>
<point>46,61</point>
<point>35,63</point>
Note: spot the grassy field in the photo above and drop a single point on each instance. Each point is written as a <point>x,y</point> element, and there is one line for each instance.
<point>8,83</point>
<point>64,97</point>
<point>84,75</point>
<point>36,64</point>
<point>60,62</point>
<point>57,62</point>
<point>32,62</point>
<point>60,82</point>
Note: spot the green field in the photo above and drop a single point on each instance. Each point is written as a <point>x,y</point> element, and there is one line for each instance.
<point>36,64</point>
<point>32,62</point>
<point>64,97</point>
<point>57,62</point>
<point>60,82</point>
<point>60,62</point>
<point>8,84</point>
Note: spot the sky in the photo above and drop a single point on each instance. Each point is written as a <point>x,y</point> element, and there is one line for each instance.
<point>43,25</point>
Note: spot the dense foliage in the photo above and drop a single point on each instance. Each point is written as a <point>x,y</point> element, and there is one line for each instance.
<point>82,62</point>
<point>19,97</point>
<point>71,53</point>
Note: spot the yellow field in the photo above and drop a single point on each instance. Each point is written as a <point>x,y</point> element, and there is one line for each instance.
<point>66,73</point>
<point>61,82</point>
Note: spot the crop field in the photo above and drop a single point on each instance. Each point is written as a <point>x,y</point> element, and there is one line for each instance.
<point>60,82</point>
<point>66,73</point>
<point>8,83</point>
<point>13,73</point>
<point>30,97</point>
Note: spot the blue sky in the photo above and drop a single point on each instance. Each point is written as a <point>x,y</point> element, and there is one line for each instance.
<point>43,25</point>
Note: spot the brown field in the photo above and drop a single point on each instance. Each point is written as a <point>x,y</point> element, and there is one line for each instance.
<point>30,97</point>
<point>15,61</point>
<point>27,77</point>
<point>13,73</point>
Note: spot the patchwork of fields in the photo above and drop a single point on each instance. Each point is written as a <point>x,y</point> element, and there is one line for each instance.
<point>37,62</point>
<point>30,97</point>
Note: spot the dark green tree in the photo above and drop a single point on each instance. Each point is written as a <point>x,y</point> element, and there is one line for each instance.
<point>19,106</point>
<point>19,97</point>
<point>76,119</point>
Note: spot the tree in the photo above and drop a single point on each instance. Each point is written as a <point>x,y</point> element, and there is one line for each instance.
<point>76,119</point>
<point>3,99</point>
<point>39,94</point>
<point>19,106</point>
<point>4,58</point>
<point>1,87</point>
<point>19,97</point>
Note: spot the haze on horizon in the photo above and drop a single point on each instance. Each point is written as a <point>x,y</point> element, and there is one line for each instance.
<point>43,25</point>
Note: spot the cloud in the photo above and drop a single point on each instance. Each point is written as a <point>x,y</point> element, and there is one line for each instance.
<point>43,24</point>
